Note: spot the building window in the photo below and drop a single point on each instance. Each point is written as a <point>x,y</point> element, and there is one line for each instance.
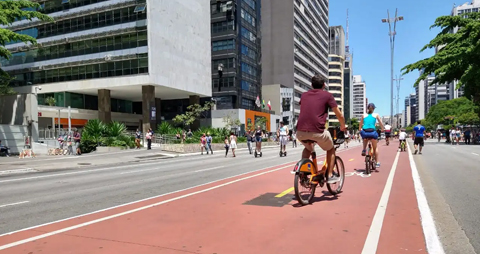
<point>101,70</point>
<point>223,45</point>
<point>335,74</point>
<point>334,59</point>
<point>247,34</point>
<point>247,104</point>
<point>246,16</point>
<point>247,68</point>
<point>92,21</point>
<point>250,3</point>
<point>224,82</point>
<point>247,51</point>
<point>223,26</point>
<point>334,66</point>
<point>335,81</point>
<point>248,86</point>
<point>227,63</point>
<point>78,48</point>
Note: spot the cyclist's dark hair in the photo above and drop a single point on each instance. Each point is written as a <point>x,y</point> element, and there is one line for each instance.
<point>419,122</point>
<point>318,82</point>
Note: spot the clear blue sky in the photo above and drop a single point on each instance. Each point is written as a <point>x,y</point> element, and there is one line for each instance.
<point>370,42</point>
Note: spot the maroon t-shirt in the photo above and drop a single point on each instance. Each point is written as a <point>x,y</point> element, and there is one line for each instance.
<point>314,106</point>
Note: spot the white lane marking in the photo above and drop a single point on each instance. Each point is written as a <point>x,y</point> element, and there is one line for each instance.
<point>18,203</point>
<point>31,239</point>
<point>429,230</point>
<point>371,243</point>
<point>207,169</point>
<point>146,199</point>
<point>76,172</point>
<point>476,154</point>
<point>17,171</point>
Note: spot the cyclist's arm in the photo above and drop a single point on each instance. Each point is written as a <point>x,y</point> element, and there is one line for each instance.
<point>361,124</point>
<point>380,122</point>
<point>340,117</point>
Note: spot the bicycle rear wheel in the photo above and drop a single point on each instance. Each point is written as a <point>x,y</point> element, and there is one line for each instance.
<point>302,181</point>
<point>367,165</point>
<point>339,171</point>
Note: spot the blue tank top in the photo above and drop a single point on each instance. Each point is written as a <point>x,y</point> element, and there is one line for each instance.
<point>369,122</point>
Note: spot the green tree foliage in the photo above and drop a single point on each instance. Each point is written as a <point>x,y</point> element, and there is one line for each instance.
<point>457,111</point>
<point>354,124</point>
<point>193,113</point>
<point>231,122</point>
<point>459,59</point>
<point>11,11</point>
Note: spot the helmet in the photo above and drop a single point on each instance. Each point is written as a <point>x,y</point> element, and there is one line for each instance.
<point>371,105</point>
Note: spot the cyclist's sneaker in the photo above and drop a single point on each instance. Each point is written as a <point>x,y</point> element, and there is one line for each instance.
<point>333,179</point>
<point>364,152</point>
<point>378,164</point>
<point>416,151</point>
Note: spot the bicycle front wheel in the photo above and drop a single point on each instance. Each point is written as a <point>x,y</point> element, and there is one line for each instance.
<point>339,171</point>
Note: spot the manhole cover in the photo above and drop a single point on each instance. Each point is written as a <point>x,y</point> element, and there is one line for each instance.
<point>269,199</point>
<point>84,164</point>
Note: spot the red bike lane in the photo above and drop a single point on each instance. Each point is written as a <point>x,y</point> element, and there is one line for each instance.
<point>252,213</point>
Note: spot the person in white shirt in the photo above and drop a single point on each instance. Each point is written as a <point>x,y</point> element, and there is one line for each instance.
<point>402,137</point>
<point>388,132</point>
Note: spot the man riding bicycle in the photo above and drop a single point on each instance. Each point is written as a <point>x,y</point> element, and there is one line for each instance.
<point>388,131</point>
<point>402,137</point>
<point>314,106</point>
<point>368,130</point>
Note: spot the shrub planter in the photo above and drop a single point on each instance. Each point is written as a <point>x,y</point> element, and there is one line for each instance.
<point>196,148</point>
<point>108,149</point>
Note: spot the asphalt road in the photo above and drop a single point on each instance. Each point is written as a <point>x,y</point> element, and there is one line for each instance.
<point>451,177</point>
<point>33,199</point>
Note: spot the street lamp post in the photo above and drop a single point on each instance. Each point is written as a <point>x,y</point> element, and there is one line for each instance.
<point>398,94</point>
<point>392,48</point>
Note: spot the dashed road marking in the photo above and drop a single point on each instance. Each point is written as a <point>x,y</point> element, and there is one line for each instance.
<point>476,154</point>
<point>284,193</point>
<point>18,203</point>
<point>351,159</point>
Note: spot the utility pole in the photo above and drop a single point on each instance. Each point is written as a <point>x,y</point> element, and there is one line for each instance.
<point>398,94</point>
<point>392,49</point>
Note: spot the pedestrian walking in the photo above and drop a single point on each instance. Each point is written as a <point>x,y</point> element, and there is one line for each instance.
<point>209,143</point>
<point>203,142</point>
<point>76,138</point>
<point>227,145</point>
<point>249,137</point>
<point>419,136</point>
<point>233,143</point>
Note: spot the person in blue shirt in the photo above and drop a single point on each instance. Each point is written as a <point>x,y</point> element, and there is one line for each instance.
<point>419,136</point>
<point>368,130</point>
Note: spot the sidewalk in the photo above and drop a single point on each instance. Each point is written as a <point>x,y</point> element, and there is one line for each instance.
<point>14,165</point>
<point>252,213</point>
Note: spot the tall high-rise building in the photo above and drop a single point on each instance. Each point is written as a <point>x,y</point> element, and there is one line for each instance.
<point>294,44</point>
<point>110,59</point>
<point>359,96</point>
<point>411,106</point>
<point>336,63</point>
<point>236,53</point>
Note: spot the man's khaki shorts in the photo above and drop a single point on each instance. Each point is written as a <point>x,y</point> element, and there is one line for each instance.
<point>324,140</point>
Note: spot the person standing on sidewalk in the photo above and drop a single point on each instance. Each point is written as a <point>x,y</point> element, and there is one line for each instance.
<point>282,134</point>
<point>149,136</point>
<point>233,143</point>
<point>209,143</point>
<point>248,135</point>
<point>294,139</point>
<point>419,136</point>
<point>227,145</point>
<point>138,136</point>
<point>77,137</point>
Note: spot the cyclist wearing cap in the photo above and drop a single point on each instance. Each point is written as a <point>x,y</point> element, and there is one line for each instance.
<point>368,130</point>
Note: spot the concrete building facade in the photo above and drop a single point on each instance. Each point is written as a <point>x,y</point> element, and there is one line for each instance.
<point>294,44</point>
<point>336,62</point>
<point>359,97</point>
<point>281,100</point>
<point>348,86</point>
<point>104,58</point>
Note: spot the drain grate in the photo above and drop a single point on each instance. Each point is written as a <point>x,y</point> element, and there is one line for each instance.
<point>84,164</point>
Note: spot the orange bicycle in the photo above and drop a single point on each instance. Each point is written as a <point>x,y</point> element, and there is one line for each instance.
<point>306,170</point>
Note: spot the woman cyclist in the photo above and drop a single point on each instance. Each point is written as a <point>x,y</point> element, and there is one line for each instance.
<point>258,139</point>
<point>368,130</point>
